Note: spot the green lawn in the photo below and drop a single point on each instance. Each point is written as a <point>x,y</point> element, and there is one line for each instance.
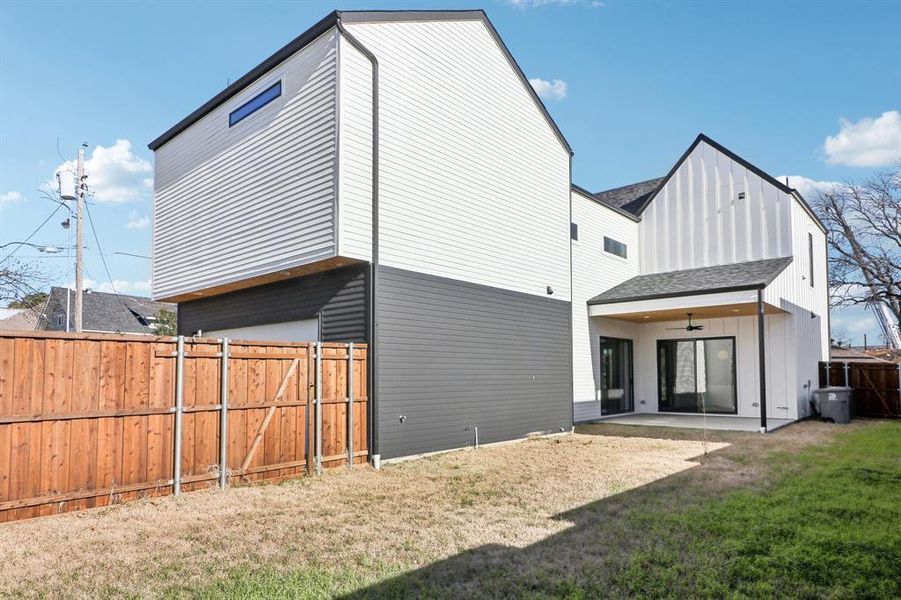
<point>824,521</point>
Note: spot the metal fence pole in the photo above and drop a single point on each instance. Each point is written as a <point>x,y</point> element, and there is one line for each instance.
<point>318,407</point>
<point>350,405</point>
<point>179,405</point>
<point>847,378</point>
<point>223,417</point>
<point>828,369</point>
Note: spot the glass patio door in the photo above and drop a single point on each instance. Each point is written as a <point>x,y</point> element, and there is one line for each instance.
<point>616,376</point>
<point>697,375</point>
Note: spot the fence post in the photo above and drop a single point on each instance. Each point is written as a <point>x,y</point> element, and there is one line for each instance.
<point>179,405</point>
<point>350,405</point>
<point>847,378</point>
<point>223,417</point>
<point>828,369</point>
<point>318,399</point>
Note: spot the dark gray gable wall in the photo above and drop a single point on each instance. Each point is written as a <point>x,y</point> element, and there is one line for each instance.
<point>340,296</point>
<point>453,355</point>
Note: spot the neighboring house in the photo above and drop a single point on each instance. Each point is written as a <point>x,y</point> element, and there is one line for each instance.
<point>18,319</point>
<point>840,354</point>
<point>392,178</point>
<point>101,312</point>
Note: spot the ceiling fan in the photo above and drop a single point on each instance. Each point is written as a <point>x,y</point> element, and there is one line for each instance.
<point>690,326</point>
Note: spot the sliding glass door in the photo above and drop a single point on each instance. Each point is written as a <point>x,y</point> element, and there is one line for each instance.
<point>697,375</point>
<point>616,376</point>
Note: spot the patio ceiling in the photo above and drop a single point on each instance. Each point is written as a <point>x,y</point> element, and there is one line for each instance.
<point>706,306</point>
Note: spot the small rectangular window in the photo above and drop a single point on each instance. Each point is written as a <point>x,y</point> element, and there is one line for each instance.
<point>255,103</point>
<point>614,247</point>
<point>574,231</point>
<point>810,256</point>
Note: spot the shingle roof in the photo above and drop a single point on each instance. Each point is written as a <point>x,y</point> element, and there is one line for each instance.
<point>630,198</point>
<point>103,312</point>
<point>690,282</point>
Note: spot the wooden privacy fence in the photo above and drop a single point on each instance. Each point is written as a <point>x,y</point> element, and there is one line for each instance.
<point>89,420</point>
<point>877,386</point>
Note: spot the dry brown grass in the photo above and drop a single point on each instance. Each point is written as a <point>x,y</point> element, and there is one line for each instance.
<point>405,516</point>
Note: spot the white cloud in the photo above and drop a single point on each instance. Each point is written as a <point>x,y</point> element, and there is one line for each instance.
<point>549,90</point>
<point>115,173</point>
<point>10,197</point>
<point>137,221</point>
<point>809,188</point>
<point>855,324</point>
<point>866,143</point>
<point>121,286</point>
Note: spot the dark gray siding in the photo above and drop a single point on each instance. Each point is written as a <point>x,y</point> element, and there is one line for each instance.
<point>454,354</point>
<point>340,296</point>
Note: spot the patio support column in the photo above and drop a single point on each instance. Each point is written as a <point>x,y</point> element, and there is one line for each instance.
<point>761,339</point>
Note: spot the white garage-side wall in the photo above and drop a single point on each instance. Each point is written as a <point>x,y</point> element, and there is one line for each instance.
<point>713,211</point>
<point>595,271</point>
<point>474,182</point>
<point>233,203</point>
<point>808,304</point>
<point>306,330</point>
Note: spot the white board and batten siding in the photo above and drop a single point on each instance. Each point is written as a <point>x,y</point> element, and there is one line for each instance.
<point>699,218</point>
<point>474,183</point>
<point>233,203</point>
<point>593,272</point>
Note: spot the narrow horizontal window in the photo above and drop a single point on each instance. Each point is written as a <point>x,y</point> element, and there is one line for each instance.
<point>614,247</point>
<point>255,103</point>
<point>574,231</point>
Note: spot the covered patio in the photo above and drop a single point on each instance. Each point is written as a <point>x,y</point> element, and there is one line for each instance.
<point>677,345</point>
<point>718,422</point>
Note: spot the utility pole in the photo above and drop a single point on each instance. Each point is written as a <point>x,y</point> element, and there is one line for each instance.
<point>79,239</point>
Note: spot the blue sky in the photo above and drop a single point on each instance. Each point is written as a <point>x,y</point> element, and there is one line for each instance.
<point>637,81</point>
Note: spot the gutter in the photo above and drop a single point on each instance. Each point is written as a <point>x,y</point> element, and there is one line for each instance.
<point>374,263</point>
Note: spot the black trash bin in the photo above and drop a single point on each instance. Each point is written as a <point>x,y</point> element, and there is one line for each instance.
<point>834,404</point>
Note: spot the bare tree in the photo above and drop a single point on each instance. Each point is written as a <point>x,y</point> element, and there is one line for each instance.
<point>19,280</point>
<point>864,235</point>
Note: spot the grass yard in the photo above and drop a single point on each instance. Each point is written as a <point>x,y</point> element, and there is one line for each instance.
<point>813,510</point>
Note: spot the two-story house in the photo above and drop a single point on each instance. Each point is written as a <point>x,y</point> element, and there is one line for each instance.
<point>391,177</point>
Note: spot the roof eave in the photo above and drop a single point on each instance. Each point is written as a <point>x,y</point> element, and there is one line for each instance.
<point>720,290</point>
<point>600,202</point>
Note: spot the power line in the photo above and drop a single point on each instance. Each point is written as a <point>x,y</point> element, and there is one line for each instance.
<point>10,255</point>
<point>103,259</point>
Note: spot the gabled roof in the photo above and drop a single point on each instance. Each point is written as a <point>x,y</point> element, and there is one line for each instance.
<point>331,20</point>
<point>636,197</point>
<point>103,312</point>
<point>630,198</point>
<point>747,275</point>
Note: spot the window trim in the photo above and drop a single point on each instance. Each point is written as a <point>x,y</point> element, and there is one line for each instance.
<point>232,121</point>
<point>695,340</point>
<point>624,255</point>
<point>810,257</point>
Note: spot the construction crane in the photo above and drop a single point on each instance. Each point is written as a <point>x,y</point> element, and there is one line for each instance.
<point>888,324</point>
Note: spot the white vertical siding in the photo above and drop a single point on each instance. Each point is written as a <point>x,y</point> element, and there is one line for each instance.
<point>593,272</point>
<point>808,305</point>
<point>698,219</point>
<point>232,203</point>
<point>474,183</point>
<point>355,153</point>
